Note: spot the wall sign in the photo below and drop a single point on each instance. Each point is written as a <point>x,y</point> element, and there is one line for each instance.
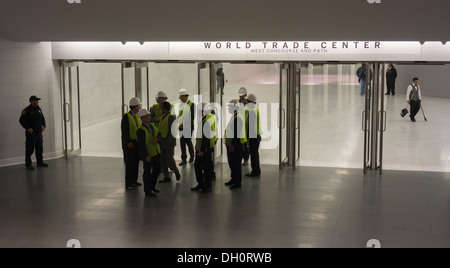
<point>254,51</point>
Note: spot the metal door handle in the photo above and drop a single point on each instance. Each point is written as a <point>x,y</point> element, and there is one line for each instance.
<point>363,120</point>
<point>66,114</point>
<point>284,118</point>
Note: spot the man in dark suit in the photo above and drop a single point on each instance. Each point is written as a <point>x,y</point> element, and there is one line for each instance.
<point>391,76</point>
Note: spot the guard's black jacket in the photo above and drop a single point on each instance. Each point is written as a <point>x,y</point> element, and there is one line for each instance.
<point>32,117</point>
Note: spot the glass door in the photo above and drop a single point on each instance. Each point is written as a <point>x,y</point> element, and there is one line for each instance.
<point>128,85</point>
<point>298,85</point>
<point>208,94</point>
<point>284,84</point>
<point>217,91</point>
<point>70,80</point>
<point>143,85</point>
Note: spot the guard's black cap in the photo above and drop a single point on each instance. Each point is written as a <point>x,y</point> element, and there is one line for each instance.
<point>34,98</point>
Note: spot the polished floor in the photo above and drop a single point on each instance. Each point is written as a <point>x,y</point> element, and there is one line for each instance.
<point>83,198</point>
<point>331,114</point>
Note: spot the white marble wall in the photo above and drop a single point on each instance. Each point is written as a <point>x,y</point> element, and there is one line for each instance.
<point>27,69</point>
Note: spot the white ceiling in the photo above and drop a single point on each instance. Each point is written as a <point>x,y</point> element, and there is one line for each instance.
<point>225,20</point>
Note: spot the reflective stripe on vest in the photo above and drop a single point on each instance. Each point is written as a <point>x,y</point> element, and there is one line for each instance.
<point>134,123</point>
<point>208,124</point>
<point>152,149</point>
<point>229,132</point>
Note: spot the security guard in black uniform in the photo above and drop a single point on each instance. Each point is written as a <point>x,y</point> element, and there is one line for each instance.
<point>33,121</point>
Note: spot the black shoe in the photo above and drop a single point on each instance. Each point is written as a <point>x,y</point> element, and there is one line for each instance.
<point>251,175</point>
<point>196,188</point>
<point>178,176</point>
<point>205,190</point>
<point>42,165</point>
<point>230,183</point>
<point>393,94</point>
<point>130,188</point>
<point>150,194</point>
<point>413,119</point>
<point>30,168</point>
<point>387,94</point>
<point>137,184</point>
<point>156,191</point>
<point>191,160</point>
<point>245,164</point>
<point>235,186</point>
<point>183,163</point>
<point>165,180</point>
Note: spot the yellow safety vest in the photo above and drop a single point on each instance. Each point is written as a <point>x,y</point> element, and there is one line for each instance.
<point>186,110</point>
<point>157,110</point>
<point>164,127</point>
<point>210,120</point>
<point>152,149</point>
<point>134,123</point>
<point>256,127</point>
<point>229,131</point>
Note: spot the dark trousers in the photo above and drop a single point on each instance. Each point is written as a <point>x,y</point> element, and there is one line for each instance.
<point>204,169</point>
<point>234,161</point>
<point>186,142</point>
<point>151,174</point>
<point>254,154</point>
<point>33,141</point>
<point>245,152</point>
<point>415,108</point>
<point>391,88</point>
<point>168,161</point>
<point>131,157</point>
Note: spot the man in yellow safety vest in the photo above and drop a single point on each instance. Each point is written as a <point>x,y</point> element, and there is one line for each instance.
<point>150,152</point>
<point>204,147</point>
<point>129,125</point>
<point>235,139</point>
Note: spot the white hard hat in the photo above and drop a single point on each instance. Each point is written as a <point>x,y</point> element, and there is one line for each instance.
<point>143,113</point>
<point>135,102</point>
<point>161,94</point>
<point>242,91</point>
<point>252,98</point>
<point>183,92</point>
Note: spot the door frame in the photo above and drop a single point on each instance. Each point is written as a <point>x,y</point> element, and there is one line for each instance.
<point>68,108</point>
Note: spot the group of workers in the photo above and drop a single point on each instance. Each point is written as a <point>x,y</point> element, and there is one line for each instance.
<point>150,136</point>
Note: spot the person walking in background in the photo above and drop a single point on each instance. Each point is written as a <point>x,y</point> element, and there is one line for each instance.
<point>391,76</point>
<point>414,98</point>
<point>235,139</point>
<point>156,112</point>
<point>168,142</point>
<point>361,73</point>
<point>186,118</point>
<point>33,121</point>
<point>150,152</point>
<point>242,102</point>
<point>129,126</point>
<point>204,146</point>
<point>254,132</point>
<point>220,80</point>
